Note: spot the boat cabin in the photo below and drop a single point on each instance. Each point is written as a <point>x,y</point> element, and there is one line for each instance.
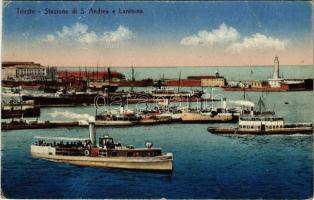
<point>261,122</point>
<point>108,148</point>
<point>83,147</point>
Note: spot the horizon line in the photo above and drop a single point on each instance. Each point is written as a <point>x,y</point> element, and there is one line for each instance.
<point>165,66</point>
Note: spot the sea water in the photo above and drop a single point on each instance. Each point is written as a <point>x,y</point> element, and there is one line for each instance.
<point>205,165</point>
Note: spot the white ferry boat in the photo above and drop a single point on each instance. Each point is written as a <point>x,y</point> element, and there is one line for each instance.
<point>264,124</point>
<point>106,154</point>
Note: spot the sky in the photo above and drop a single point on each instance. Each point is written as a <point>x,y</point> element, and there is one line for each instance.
<point>163,34</point>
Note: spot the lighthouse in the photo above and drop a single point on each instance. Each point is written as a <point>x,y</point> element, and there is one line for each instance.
<point>275,81</point>
<point>276,68</point>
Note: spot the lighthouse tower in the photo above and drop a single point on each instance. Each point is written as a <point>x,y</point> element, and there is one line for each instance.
<point>276,68</point>
<point>275,81</point>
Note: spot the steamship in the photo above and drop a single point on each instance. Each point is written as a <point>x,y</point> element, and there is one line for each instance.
<point>264,124</point>
<point>63,98</point>
<point>106,154</point>
<point>210,115</point>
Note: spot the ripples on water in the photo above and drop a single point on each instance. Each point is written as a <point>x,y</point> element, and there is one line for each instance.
<point>205,165</point>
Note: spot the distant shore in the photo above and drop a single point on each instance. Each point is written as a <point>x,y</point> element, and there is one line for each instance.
<point>185,66</point>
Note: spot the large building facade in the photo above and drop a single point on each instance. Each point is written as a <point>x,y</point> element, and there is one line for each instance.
<point>26,71</point>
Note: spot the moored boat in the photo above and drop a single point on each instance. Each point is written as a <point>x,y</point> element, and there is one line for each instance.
<point>106,154</point>
<point>203,115</point>
<point>208,116</point>
<point>15,108</point>
<point>63,98</point>
<point>26,124</point>
<point>113,118</point>
<point>156,119</point>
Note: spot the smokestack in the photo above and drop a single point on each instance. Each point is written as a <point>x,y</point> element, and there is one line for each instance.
<point>92,133</point>
<point>252,111</point>
<point>224,104</point>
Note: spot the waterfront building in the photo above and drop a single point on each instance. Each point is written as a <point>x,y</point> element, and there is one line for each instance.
<point>257,84</point>
<point>210,81</point>
<point>198,81</point>
<point>23,71</point>
<point>213,82</point>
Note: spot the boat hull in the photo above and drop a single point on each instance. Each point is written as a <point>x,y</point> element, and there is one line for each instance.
<point>156,121</point>
<point>159,163</point>
<point>114,123</point>
<point>37,125</point>
<point>202,118</point>
<point>61,101</point>
<point>281,131</point>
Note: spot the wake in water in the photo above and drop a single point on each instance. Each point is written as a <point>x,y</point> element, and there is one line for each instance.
<point>71,115</point>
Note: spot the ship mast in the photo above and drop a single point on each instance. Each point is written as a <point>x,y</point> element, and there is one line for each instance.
<point>179,85</point>
<point>109,83</point>
<point>133,78</point>
<point>97,72</point>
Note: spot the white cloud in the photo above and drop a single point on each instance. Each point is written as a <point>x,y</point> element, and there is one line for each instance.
<point>49,38</point>
<point>258,41</point>
<point>76,30</point>
<point>232,40</point>
<point>121,34</point>
<point>222,35</point>
<point>81,34</point>
<point>88,38</point>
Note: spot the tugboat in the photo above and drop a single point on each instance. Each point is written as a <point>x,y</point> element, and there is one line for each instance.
<point>264,124</point>
<point>106,154</point>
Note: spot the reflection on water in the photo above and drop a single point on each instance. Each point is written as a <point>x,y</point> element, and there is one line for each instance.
<point>294,139</point>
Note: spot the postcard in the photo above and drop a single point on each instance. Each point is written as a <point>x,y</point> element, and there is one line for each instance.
<point>157,100</point>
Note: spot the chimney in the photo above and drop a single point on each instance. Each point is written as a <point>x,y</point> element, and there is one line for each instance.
<point>92,133</point>
<point>252,111</point>
<point>224,104</point>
